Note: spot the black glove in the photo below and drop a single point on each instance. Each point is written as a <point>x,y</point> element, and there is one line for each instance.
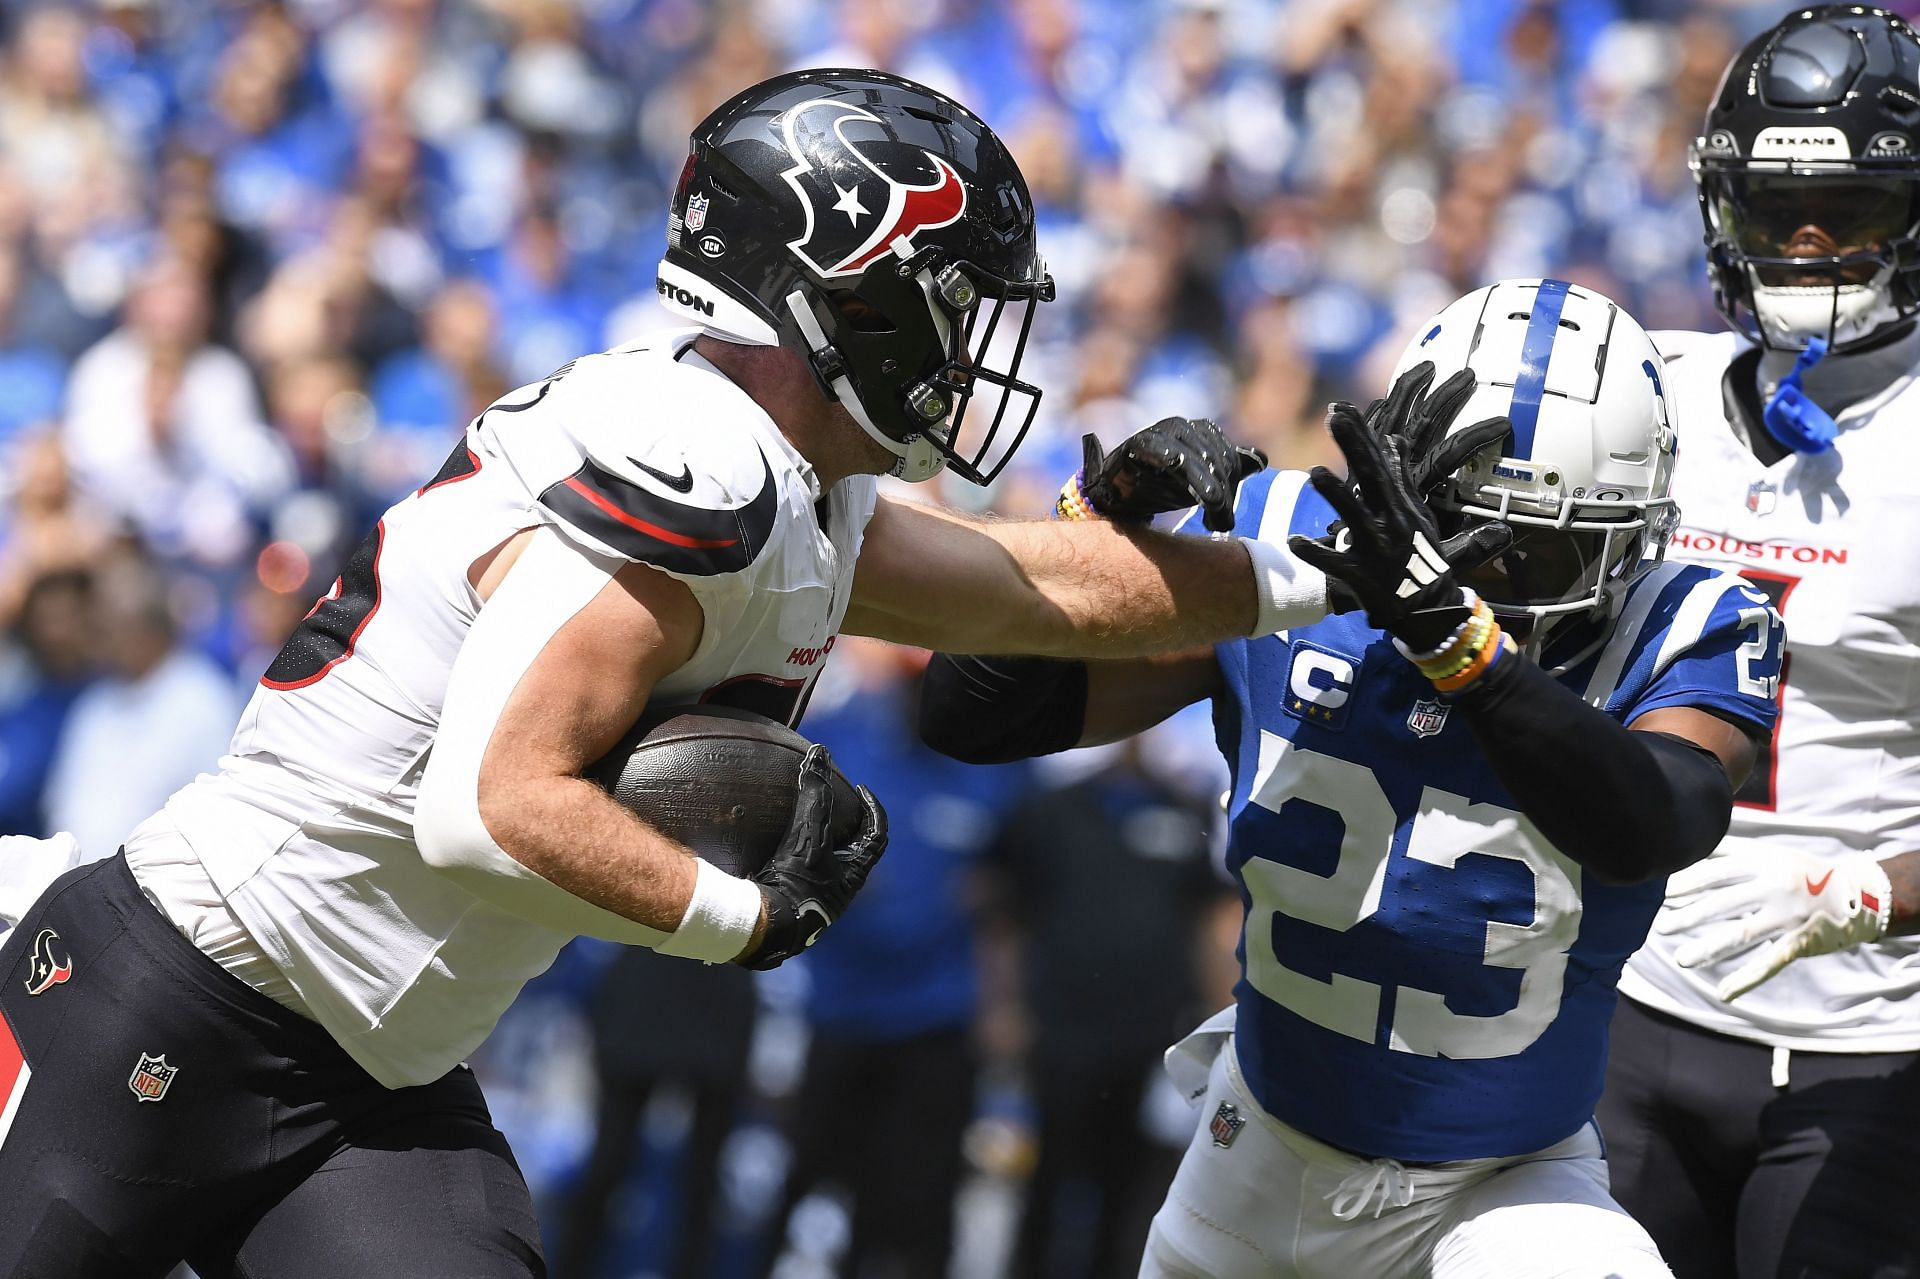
<point>808,882</point>
<point>1417,423</point>
<point>1386,551</point>
<point>1169,466</point>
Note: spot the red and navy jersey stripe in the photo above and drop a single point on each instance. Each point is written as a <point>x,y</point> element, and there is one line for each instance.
<point>644,526</point>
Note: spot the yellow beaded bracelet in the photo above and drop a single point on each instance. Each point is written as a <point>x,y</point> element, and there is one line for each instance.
<point>1488,653</point>
<point>1459,651</point>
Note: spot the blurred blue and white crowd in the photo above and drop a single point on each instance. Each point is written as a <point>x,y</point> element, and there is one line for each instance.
<point>261,262</point>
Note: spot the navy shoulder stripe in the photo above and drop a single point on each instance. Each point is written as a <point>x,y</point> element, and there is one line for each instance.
<point>646,527</point>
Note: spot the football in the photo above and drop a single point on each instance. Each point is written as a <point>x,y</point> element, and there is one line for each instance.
<point>719,780</point>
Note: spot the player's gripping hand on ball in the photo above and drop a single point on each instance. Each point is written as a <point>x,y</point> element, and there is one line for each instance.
<point>808,882</point>
<point>1175,463</point>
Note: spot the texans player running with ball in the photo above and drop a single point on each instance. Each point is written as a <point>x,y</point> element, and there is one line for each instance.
<point>239,1042</point>
<point>1762,1109</point>
<point>1454,803</point>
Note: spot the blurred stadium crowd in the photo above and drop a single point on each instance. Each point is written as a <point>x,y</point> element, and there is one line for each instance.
<point>260,263</point>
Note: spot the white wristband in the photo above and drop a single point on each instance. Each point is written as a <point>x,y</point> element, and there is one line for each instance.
<point>1292,592</point>
<point>720,919</point>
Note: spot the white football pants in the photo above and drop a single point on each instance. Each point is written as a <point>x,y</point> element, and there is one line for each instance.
<point>1276,1204</point>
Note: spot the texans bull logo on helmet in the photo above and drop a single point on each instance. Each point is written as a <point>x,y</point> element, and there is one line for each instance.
<point>856,210</point>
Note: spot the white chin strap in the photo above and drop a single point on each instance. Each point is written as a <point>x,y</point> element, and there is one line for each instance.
<point>919,461</point>
<point>1790,314</point>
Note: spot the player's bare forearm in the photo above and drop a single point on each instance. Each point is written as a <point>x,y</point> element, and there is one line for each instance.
<point>1903,872</point>
<point>587,686</point>
<point>1059,588</point>
<point>571,833</point>
<point>561,661</point>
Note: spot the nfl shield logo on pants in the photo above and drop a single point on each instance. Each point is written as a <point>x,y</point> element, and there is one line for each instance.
<point>1226,1124</point>
<point>1427,717</point>
<point>150,1078</point>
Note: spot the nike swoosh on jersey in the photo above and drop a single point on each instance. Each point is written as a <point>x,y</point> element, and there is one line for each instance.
<point>642,525</point>
<point>1820,886</point>
<point>681,483</point>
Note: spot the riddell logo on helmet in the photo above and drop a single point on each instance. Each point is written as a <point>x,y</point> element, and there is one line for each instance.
<point>685,297</point>
<point>881,211</point>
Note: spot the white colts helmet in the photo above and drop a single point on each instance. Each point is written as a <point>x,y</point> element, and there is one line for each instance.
<point>1584,477</point>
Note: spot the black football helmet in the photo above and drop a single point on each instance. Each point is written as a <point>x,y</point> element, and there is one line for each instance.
<point>866,222</point>
<point>1807,170</point>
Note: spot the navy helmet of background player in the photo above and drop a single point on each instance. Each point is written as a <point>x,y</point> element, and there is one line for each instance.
<point>796,188</point>
<point>1807,169</point>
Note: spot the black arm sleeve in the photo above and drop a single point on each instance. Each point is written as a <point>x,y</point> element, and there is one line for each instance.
<point>1627,806</point>
<point>992,710</point>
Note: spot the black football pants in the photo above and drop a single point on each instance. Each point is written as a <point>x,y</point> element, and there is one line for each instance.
<point>1738,1179</point>
<point>171,1112</point>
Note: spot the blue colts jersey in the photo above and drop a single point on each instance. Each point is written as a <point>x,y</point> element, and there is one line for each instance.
<point>1424,977</point>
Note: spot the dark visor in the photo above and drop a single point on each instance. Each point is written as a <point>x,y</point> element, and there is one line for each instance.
<point>1784,219</point>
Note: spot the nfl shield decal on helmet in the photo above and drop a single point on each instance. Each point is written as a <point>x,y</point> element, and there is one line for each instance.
<point>50,963</point>
<point>1427,717</point>
<point>696,212</point>
<point>1762,497</point>
<point>1226,1125</point>
<point>152,1077</point>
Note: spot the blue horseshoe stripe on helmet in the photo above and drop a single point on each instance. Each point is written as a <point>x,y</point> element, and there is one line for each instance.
<point>1536,351</point>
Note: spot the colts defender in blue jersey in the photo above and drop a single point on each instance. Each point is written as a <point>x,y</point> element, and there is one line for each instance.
<point>1455,801</point>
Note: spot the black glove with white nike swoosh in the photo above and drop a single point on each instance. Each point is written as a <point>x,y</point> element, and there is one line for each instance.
<point>808,882</point>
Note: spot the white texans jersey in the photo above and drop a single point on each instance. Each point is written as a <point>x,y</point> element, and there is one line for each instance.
<point>645,453</point>
<point>1831,538</point>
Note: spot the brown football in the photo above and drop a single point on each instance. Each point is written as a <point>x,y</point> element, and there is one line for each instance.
<point>719,780</point>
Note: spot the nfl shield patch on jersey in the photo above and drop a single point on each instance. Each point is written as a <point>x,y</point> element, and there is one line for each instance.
<point>1226,1125</point>
<point>152,1077</point>
<point>1428,716</point>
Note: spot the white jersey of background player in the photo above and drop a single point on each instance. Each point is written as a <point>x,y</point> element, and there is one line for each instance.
<point>1829,536</point>
<point>1760,1112</point>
